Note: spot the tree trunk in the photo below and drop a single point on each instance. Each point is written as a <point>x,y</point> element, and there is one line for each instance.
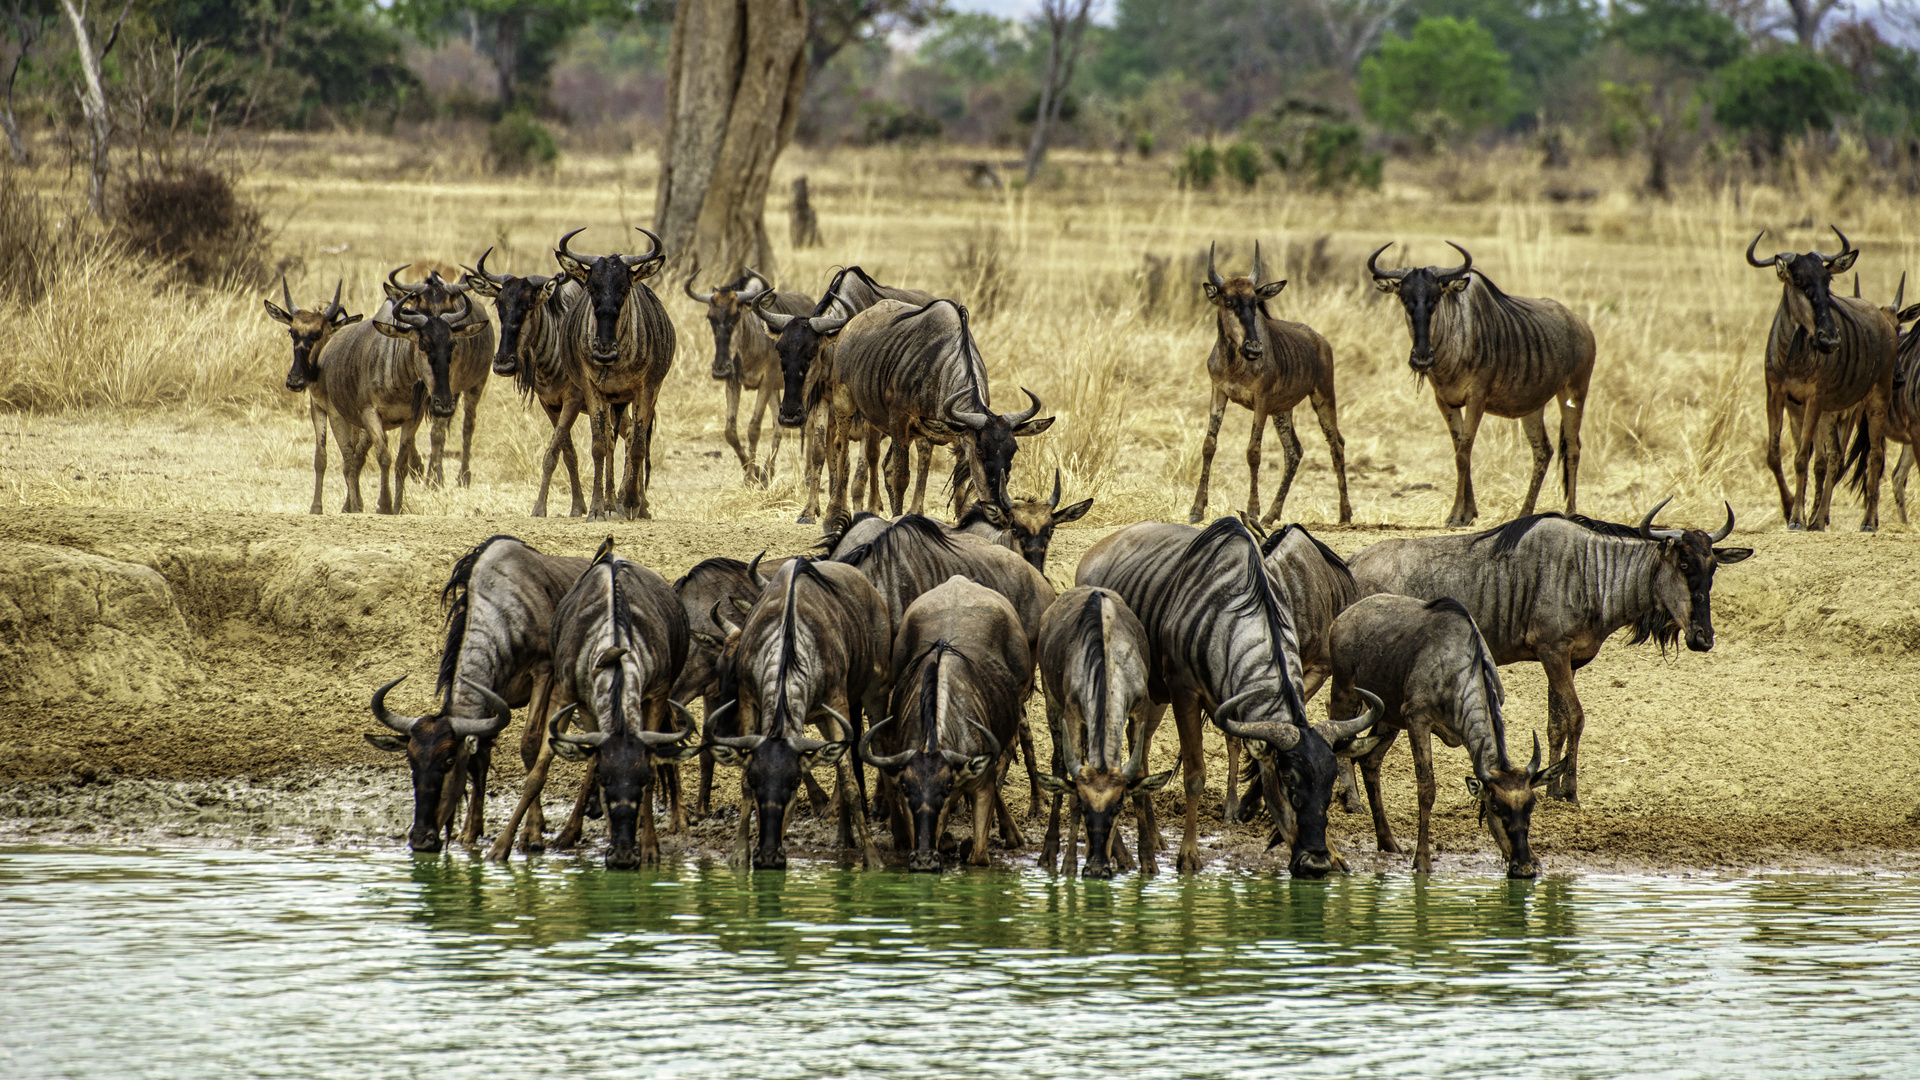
<point>1062,52</point>
<point>506,55</point>
<point>93,103</point>
<point>736,69</point>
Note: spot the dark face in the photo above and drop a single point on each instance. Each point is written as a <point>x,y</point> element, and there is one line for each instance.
<point>1506,805</point>
<point>309,332</point>
<point>1239,310</point>
<point>797,346</point>
<point>1811,277</point>
<point>1420,293</point>
<point>608,283</point>
<point>433,755</point>
<point>926,783</point>
<point>1302,778</point>
<point>623,767</point>
<point>1684,583</point>
<point>435,339</point>
<point>515,301</point>
<point>723,314</point>
<point>1102,792</point>
<point>1031,523</point>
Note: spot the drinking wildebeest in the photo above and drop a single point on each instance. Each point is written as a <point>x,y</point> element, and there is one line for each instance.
<point>814,650</point>
<point>619,640</point>
<point>499,600</point>
<point>743,357</point>
<point>1024,526</point>
<point>959,662</point>
<point>1429,664</point>
<point>1826,355</point>
<point>711,586</point>
<point>1267,366</point>
<point>466,371</point>
<point>533,312</point>
<point>619,349</point>
<point>1222,642</point>
<point>1552,589</point>
<point>1484,351</point>
<point>1093,669</point>
<point>312,331</point>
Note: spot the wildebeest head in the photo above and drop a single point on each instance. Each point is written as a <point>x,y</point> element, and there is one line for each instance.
<point>1683,581</point>
<point>437,747</point>
<point>1100,789</point>
<point>1420,290</point>
<point>797,341</point>
<point>706,666</point>
<point>514,299</point>
<point>771,765</point>
<point>927,777</point>
<point>622,758</point>
<point>725,305</point>
<point>310,330</point>
<point>1031,521</point>
<point>1809,293</point>
<point>1297,768</point>
<point>433,336</point>
<point>1506,799</point>
<point>1241,302</point>
<point>608,280</point>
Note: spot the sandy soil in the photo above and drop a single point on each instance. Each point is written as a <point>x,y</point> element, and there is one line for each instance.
<point>168,677</point>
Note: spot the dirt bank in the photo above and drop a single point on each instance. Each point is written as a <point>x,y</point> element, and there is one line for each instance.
<point>166,675</point>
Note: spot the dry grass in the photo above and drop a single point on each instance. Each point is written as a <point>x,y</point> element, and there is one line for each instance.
<point>197,417</point>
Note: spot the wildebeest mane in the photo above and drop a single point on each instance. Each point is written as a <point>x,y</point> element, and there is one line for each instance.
<point>1333,560</point>
<point>622,634</point>
<point>456,597</point>
<point>718,562</point>
<point>1508,536</point>
<point>837,525</point>
<point>1489,673</point>
<point>1257,595</point>
<point>976,515</point>
<point>790,657</point>
<point>1656,626</point>
<point>913,524</point>
<point>1092,628</point>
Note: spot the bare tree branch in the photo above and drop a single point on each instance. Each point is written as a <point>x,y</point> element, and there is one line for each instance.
<point>1066,23</point>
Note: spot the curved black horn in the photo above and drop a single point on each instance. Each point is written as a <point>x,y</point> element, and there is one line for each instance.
<point>568,252</point>
<point>753,570</point>
<point>954,757</point>
<point>1648,532</point>
<point>1213,275</point>
<point>1533,767</point>
<point>884,764</point>
<point>726,626</point>
<point>1379,274</point>
<point>1751,261</point>
<point>688,286</point>
<point>823,325</point>
<point>1458,270</point>
<point>637,260</point>
<point>1845,244</point>
<point>1723,531</point>
<point>334,309</point>
<point>846,725</point>
<point>497,279</point>
<point>1069,754</point>
<point>1022,417</point>
<point>974,420</point>
<point>491,725</point>
<point>1258,270</point>
<point>399,722</point>
<point>288,295</point>
<point>405,315</point>
<point>1282,735</point>
<point>774,320</point>
<point>668,738</point>
<point>765,285</point>
<point>460,317</point>
<point>1053,501</point>
<point>393,280</point>
<point>1335,730</point>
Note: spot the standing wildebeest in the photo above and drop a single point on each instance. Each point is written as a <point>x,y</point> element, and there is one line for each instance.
<point>1903,410</point>
<point>1826,355</point>
<point>915,373</point>
<point>1222,641</point>
<point>312,331</point>
<point>619,348</point>
<point>499,600</point>
<point>1429,664</point>
<point>816,655</point>
<point>1552,589</point>
<point>619,639</point>
<point>713,586</point>
<point>744,358</point>
<point>1025,526</point>
<point>466,372</point>
<point>1486,352</point>
<point>533,312</point>
<point>1093,668</point>
<point>960,662</point>
<point>1267,366</point>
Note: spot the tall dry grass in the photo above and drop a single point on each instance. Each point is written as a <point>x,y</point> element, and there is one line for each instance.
<point>1085,291</point>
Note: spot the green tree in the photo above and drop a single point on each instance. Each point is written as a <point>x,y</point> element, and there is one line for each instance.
<point>1671,45</point>
<point>1543,39</point>
<point>526,34</point>
<point>1448,67</point>
<point>288,60</point>
<point>1776,94</point>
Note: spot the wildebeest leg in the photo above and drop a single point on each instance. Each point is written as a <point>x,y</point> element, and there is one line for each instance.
<point>1422,745</point>
<point>1254,441</point>
<point>816,795</point>
<point>1776,405</point>
<point>853,814</point>
<point>533,742</point>
<point>1290,445</point>
<point>924,448</point>
<point>408,429</point>
<point>639,462</point>
<point>661,717</point>
<point>467,410</point>
<point>1573,409</point>
<point>757,474</point>
<point>813,453</point>
<point>1251,796</point>
<point>649,836</point>
<point>1215,411</point>
<point>1072,863</point>
<point>1346,790</point>
<point>1900,472</point>
<point>576,822</point>
<point>1826,466</point>
<point>1565,721</point>
<point>602,440</point>
<point>481,762</point>
<point>436,450</point>
<point>733,421</point>
<point>1464,425</point>
<point>1193,766</point>
<point>982,821</point>
<point>898,451</point>
<point>320,420</point>
<point>1050,843</point>
<point>1876,458</point>
<point>838,432</point>
<point>1370,775</point>
<point>1808,434</point>
<point>1010,835</point>
<point>1535,426</point>
<point>1232,808</point>
<point>1149,834</point>
<point>1033,767</point>
<point>353,458</point>
<point>1327,411</point>
<point>743,833</point>
<point>370,419</point>
<point>703,799</point>
<point>530,789</point>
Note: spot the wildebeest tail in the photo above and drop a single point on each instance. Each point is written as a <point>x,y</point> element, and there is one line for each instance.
<point>1855,467</point>
<point>456,597</point>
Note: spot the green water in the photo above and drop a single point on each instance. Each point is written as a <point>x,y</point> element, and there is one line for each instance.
<point>318,965</point>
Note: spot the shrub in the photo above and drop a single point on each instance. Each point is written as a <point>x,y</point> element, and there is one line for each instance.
<point>889,123</point>
<point>1777,94</point>
<point>28,242</point>
<point>519,142</point>
<point>193,220</point>
<point>1448,67</point>
<point>1200,167</point>
<point>1242,162</point>
<point>1029,113</point>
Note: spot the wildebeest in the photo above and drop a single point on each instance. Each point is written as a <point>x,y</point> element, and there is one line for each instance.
<point>1024,526</point>
<point>713,586</point>
<point>1552,589</point>
<point>619,640</point>
<point>1222,641</point>
<point>960,660</point>
<point>533,312</point>
<point>466,370</point>
<point>916,373</point>
<point>1484,351</point>
<point>312,331</point>
<point>619,345</point>
<point>1267,366</point>
<point>1093,668</point>
<point>816,649</point>
<point>440,749</point>
<point>1428,663</point>
<point>1903,410</point>
<point>744,357</point>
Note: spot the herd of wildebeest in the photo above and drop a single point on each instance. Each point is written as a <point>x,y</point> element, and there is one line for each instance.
<point>910,647</point>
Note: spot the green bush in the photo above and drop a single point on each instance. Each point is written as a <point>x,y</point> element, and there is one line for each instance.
<point>1447,67</point>
<point>1335,155</point>
<point>519,142</point>
<point>889,123</point>
<point>1777,94</point>
<point>1242,162</point>
<point>1200,167</point>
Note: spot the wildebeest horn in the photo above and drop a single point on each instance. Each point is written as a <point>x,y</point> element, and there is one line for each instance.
<point>1213,276</point>
<point>1845,244</point>
<point>1383,275</point>
<point>688,286</point>
<point>765,285</point>
<point>415,287</point>
<point>1900,294</point>
<point>1723,531</point>
<point>556,726</point>
<point>1751,261</point>
<point>726,626</point>
<point>884,764</point>
<point>1258,271</point>
<point>753,570</point>
<point>1533,767</point>
<point>1648,532</point>
<point>636,260</point>
<point>1458,270</point>
<point>1016,419</point>
<point>1282,735</point>
<point>974,420</point>
<point>1053,501</point>
<point>746,744</point>
<point>491,725</point>
<point>774,320</point>
<point>846,725</point>
<point>1335,730</point>
<point>334,309</point>
<point>668,738</point>
<point>288,294</point>
<point>825,325</point>
<point>1069,755</point>
<point>568,252</point>
<point>481,268</point>
<point>459,318</point>
<point>955,757</point>
<point>406,317</point>
<point>397,721</point>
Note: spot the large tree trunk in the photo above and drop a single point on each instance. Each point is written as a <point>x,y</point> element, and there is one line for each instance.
<point>737,69</point>
<point>93,101</point>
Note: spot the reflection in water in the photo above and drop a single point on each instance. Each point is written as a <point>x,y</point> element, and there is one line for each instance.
<point>323,965</point>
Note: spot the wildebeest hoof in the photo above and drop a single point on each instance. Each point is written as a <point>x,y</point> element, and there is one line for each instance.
<point>1794,526</point>
<point>1868,529</point>
<point>805,519</point>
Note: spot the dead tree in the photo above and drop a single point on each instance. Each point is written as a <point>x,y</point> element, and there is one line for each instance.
<point>805,224</point>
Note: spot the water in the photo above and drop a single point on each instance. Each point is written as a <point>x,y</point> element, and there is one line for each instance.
<point>319,965</point>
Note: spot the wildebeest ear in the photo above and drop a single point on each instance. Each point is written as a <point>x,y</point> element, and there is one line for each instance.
<point>1270,290</point>
<point>1840,264</point>
<point>1212,290</point>
<point>572,267</point>
<point>344,319</point>
<point>1387,284</point>
<point>708,641</point>
<point>394,292</point>
<point>473,745</point>
<point>1457,285</point>
<point>277,315</point>
<point>1151,783</point>
<point>546,291</point>
<point>1783,271</point>
<point>1034,427</point>
<point>1475,786</point>
<point>975,766</point>
<point>995,515</point>
<point>388,741</point>
<point>1055,784</point>
<point>1729,556</point>
<point>1547,774</point>
<point>567,751</point>
<point>643,271</point>
<point>1357,746</point>
<point>728,756</point>
<point>393,330</point>
<point>829,754</point>
<point>1073,513</point>
<point>471,329</point>
<point>741,605</point>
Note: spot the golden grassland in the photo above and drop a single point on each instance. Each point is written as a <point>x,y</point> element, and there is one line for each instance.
<point>128,393</point>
